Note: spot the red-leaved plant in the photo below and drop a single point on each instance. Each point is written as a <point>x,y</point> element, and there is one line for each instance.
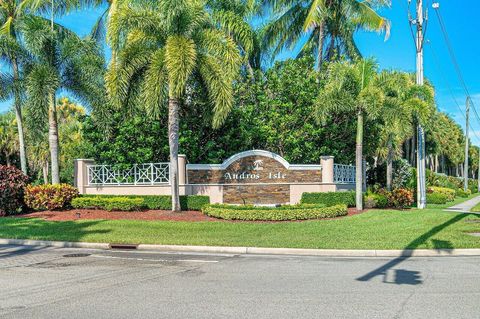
<point>49,197</point>
<point>12,184</point>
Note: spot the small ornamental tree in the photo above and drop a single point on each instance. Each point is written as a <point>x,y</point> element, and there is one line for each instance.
<point>12,184</point>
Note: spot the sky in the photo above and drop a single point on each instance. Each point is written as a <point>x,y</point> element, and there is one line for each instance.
<point>398,51</point>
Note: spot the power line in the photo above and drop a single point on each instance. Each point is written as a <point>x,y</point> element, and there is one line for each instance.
<point>454,59</point>
<point>444,78</point>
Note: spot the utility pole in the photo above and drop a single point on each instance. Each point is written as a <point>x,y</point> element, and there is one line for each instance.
<point>478,173</point>
<point>465,166</point>
<point>421,187</point>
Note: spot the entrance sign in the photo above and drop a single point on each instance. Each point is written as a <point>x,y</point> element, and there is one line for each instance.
<point>251,177</point>
<point>254,177</point>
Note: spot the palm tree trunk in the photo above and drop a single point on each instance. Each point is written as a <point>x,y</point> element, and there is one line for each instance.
<point>412,149</point>
<point>45,172</point>
<point>389,165</point>
<point>7,158</point>
<point>19,118</point>
<point>359,162</point>
<point>173,128</point>
<point>53,139</point>
<point>321,39</point>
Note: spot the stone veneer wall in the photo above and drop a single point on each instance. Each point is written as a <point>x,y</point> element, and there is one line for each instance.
<point>244,165</point>
<point>256,194</point>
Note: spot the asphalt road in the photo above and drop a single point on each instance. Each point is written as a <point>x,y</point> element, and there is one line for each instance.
<point>51,283</point>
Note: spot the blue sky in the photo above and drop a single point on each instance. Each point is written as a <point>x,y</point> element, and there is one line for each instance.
<point>398,51</point>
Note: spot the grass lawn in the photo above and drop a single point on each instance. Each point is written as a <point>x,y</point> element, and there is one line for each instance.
<point>376,229</point>
<point>476,208</point>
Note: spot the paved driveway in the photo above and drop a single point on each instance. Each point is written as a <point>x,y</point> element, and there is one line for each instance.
<point>73,283</point>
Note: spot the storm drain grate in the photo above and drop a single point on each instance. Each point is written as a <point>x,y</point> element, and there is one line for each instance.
<point>76,255</point>
<point>123,246</point>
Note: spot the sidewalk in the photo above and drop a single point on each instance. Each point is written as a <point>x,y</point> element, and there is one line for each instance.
<point>465,206</point>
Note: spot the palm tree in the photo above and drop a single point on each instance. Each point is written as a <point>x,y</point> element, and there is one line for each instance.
<point>236,18</point>
<point>163,47</point>
<point>12,52</point>
<point>315,21</point>
<point>396,118</point>
<point>8,136</point>
<point>351,88</point>
<point>61,61</point>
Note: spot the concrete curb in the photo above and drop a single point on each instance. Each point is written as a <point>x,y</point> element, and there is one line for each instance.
<point>256,250</point>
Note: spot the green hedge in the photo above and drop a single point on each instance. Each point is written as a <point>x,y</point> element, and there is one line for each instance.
<point>162,202</point>
<point>329,199</point>
<point>437,198</point>
<point>448,192</point>
<point>298,212</point>
<point>109,203</point>
<point>375,201</point>
<point>464,194</point>
<point>252,207</point>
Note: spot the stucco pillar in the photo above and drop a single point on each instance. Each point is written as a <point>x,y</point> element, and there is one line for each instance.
<point>327,169</point>
<point>182,169</point>
<point>81,174</point>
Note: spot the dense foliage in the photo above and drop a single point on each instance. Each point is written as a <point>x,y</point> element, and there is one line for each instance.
<point>137,202</point>
<point>330,198</point>
<point>12,184</point>
<point>191,77</point>
<point>300,212</point>
<point>49,197</point>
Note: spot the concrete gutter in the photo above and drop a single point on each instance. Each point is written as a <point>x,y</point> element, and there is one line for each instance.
<point>256,250</point>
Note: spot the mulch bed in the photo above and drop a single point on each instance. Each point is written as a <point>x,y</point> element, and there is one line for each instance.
<point>190,216</point>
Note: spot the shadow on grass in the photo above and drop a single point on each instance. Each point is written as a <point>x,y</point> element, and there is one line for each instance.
<point>38,229</point>
<point>403,276</point>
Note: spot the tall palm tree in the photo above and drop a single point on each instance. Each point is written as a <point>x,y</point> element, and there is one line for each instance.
<point>236,18</point>
<point>313,22</point>
<point>396,118</point>
<point>61,61</point>
<point>163,46</point>
<point>351,88</point>
<point>12,52</point>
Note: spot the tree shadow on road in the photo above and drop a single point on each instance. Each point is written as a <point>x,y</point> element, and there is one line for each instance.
<point>403,276</point>
<point>38,229</point>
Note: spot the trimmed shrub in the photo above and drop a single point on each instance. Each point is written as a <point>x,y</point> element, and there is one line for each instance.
<point>400,198</point>
<point>109,203</point>
<point>448,192</point>
<point>43,197</point>
<point>461,193</point>
<point>436,198</point>
<point>376,201</point>
<point>329,199</point>
<point>162,202</point>
<point>299,212</point>
<point>12,184</point>
<point>252,207</point>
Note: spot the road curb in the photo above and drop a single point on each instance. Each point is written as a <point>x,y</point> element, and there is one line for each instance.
<point>256,250</point>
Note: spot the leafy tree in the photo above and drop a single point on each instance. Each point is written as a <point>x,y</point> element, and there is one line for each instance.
<point>8,137</point>
<point>396,118</point>
<point>61,61</point>
<point>334,21</point>
<point>162,46</point>
<point>236,18</point>
<point>12,51</point>
<point>351,88</point>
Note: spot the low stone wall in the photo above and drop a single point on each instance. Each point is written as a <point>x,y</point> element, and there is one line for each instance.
<point>252,177</point>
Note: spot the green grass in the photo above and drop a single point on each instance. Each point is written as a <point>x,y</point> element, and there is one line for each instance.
<point>476,208</point>
<point>382,229</point>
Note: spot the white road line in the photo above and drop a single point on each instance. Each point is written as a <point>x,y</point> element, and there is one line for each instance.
<point>158,260</point>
